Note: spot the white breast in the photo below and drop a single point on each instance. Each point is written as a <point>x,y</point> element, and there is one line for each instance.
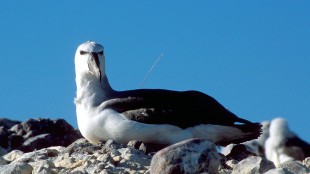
<point>108,124</point>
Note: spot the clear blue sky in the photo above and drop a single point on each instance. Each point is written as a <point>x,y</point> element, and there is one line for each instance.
<point>253,57</point>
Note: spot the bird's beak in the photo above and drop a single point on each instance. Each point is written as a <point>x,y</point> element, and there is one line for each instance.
<point>94,65</point>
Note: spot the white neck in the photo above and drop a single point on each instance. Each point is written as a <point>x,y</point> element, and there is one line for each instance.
<point>91,92</point>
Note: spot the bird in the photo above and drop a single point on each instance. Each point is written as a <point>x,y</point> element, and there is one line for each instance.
<point>283,145</point>
<point>156,116</point>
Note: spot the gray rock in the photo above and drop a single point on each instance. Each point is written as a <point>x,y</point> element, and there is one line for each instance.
<point>106,158</point>
<point>4,134</point>
<point>146,149</point>
<point>43,148</point>
<point>224,171</point>
<point>3,161</point>
<point>240,152</point>
<point>43,167</point>
<point>278,171</point>
<point>44,171</point>
<point>189,156</point>
<point>37,134</point>
<point>15,141</point>
<point>3,151</point>
<point>231,163</point>
<point>253,165</point>
<point>7,124</point>
<point>111,147</point>
<point>17,129</point>
<point>136,159</point>
<point>294,167</point>
<point>140,146</point>
<point>16,168</point>
<point>135,144</point>
<point>81,146</point>
<point>111,157</point>
<point>37,142</point>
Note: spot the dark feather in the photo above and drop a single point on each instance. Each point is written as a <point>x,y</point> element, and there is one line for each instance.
<point>296,141</point>
<point>183,109</point>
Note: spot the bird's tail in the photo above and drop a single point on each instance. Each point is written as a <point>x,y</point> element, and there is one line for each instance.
<point>249,131</point>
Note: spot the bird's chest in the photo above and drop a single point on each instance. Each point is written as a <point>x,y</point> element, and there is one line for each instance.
<point>89,126</point>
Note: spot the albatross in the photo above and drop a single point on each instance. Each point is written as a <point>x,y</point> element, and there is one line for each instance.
<point>154,116</point>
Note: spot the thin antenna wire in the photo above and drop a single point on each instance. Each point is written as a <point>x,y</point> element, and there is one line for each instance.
<point>151,69</point>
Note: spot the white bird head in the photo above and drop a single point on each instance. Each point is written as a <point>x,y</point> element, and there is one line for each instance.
<point>279,127</point>
<point>90,61</point>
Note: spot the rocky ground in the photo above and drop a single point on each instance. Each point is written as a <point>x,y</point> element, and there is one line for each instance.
<point>53,146</point>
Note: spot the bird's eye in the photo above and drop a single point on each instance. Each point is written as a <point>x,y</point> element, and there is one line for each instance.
<point>100,52</point>
<point>83,52</point>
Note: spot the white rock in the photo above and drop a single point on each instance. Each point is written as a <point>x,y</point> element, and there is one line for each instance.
<point>253,165</point>
<point>82,157</point>
<point>43,167</point>
<point>37,155</point>
<point>306,162</point>
<point>227,149</point>
<point>69,163</point>
<point>295,167</point>
<point>11,156</point>
<point>278,171</point>
<point>16,168</point>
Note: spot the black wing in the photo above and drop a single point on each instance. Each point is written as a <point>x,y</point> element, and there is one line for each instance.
<point>296,141</point>
<point>183,109</point>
